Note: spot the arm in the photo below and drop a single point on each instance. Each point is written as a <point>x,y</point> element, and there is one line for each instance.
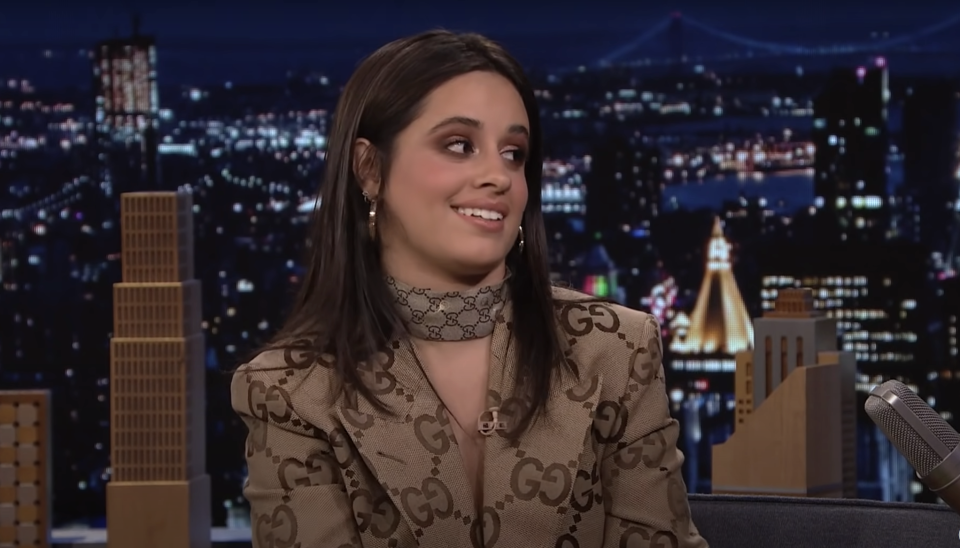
<point>294,486</point>
<point>646,495</point>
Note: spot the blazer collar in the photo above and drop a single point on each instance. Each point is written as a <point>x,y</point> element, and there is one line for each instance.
<point>414,455</point>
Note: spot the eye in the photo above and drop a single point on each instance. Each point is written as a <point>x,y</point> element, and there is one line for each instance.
<point>461,146</point>
<point>515,155</point>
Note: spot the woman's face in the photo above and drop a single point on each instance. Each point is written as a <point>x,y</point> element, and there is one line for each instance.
<point>456,189</point>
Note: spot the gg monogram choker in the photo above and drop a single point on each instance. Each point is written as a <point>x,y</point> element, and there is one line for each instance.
<point>449,315</point>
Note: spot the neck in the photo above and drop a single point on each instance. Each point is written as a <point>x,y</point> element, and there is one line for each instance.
<point>446,314</point>
<point>417,274</point>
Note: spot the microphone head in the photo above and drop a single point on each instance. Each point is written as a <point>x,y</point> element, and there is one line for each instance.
<point>906,425</point>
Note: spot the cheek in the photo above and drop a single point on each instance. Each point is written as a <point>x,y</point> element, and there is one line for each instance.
<point>521,193</point>
<point>420,185</point>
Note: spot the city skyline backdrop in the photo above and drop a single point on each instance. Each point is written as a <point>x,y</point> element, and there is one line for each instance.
<point>658,174</point>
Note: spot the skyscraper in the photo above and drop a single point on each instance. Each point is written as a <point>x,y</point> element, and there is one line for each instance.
<point>947,384</point>
<point>125,81</point>
<point>796,425</point>
<point>25,469</point>
<point>701,358</point>
<point>719,323</point>
<point>951,312</point>
<point>159,494</point>
<point>878,294</point>
<point>930,163</point>
<point>623,188</point>
<point>127,109</point>
<point>850,165</point>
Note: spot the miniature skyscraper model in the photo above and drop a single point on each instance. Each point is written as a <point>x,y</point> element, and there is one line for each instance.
<point>24,469</point>
<point>159,494</point>
<point>795,431</point>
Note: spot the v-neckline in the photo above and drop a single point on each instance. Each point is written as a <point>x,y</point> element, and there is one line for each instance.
<point>470,443</point>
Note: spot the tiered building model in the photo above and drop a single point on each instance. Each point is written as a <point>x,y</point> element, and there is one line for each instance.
<point>159,493</point>
<point>795,431</point>
<point>24,469</point>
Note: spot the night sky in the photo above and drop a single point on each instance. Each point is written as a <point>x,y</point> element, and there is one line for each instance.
<point>217,39</point>
<point>286,21</point>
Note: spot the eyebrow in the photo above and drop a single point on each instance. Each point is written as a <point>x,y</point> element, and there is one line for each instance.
<point>515,129</point>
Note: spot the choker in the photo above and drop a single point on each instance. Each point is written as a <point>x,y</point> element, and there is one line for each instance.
<point>449,315</point>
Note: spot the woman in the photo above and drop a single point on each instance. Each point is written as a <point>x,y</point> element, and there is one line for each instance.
<point>431,387</point>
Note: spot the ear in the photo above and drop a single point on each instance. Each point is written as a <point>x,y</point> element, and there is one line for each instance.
<point>366,167</point>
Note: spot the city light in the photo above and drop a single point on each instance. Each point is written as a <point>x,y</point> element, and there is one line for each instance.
<point>806,180</point>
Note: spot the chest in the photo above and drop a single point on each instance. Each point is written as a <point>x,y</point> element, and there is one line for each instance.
<point>460,382</point>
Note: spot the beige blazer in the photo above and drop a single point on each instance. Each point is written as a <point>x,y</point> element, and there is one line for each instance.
<point>602,470</point>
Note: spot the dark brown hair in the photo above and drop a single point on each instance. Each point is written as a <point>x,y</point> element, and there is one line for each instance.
<point>344,304</point>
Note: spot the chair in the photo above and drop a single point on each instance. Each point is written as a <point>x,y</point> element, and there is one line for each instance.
<point>785,522</point>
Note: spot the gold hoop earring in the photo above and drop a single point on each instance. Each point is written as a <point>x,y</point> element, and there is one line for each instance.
<point>520,244</point>
<point>371,216</point>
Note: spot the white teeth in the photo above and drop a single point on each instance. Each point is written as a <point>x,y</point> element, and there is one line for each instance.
<point>482,213</point>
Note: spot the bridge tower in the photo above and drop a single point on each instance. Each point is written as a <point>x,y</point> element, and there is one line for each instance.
<point>675,38</point>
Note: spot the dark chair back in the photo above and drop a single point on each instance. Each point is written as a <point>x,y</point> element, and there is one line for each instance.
<point>783,522</point>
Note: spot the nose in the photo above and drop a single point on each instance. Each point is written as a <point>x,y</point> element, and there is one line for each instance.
<point>495,174</point>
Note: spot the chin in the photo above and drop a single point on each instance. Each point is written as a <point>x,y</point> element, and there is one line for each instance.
<point>477,264</point>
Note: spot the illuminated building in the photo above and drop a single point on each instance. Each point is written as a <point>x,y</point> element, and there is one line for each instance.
<point>850,164</point>
<point>125,80</point>
<point>796,409</point>
<point>947,384</point>
<point>701,358</point>
<point>751,156</point>
<point>159,494</point>
<point>930,163</point>
<point>720,325</point>
<point>562,189</point>
<point>598,274</point>
<point>765,156</point>
<point>127,108</point>
<point>623,188</point>
<point>880,296</point>
<point>661,300</point>
<point>875,292</point>
<point>951,305</point>
<point>599,285</point>
<point>25,469</point>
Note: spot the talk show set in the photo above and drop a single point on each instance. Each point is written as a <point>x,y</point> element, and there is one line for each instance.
<point>530,276</point>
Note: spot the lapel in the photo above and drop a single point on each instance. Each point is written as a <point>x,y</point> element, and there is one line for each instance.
<point>527,483</point>
<point>414,455</point>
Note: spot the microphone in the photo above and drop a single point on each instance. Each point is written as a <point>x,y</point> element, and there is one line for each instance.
<point>919,433</point>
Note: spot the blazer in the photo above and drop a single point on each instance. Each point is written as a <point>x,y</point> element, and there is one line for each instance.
<point>601,469</point>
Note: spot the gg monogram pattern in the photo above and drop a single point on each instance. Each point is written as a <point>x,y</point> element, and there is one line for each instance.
<point>449,316</point>
<point>600,470</point>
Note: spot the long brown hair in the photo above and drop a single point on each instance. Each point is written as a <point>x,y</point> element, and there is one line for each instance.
<point>344,303</point>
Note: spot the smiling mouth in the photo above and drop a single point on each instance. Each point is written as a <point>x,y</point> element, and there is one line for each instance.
<point>485,214</point>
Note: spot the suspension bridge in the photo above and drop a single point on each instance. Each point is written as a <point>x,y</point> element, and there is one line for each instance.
<point>676,27</point>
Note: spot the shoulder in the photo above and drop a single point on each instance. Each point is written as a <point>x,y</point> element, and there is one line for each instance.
<point>607,338</point>
<point>581,315</point>
<point>278,380</point>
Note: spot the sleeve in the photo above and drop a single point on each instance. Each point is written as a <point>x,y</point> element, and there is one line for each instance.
<point>645,495</point>
<point>294,485</point>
